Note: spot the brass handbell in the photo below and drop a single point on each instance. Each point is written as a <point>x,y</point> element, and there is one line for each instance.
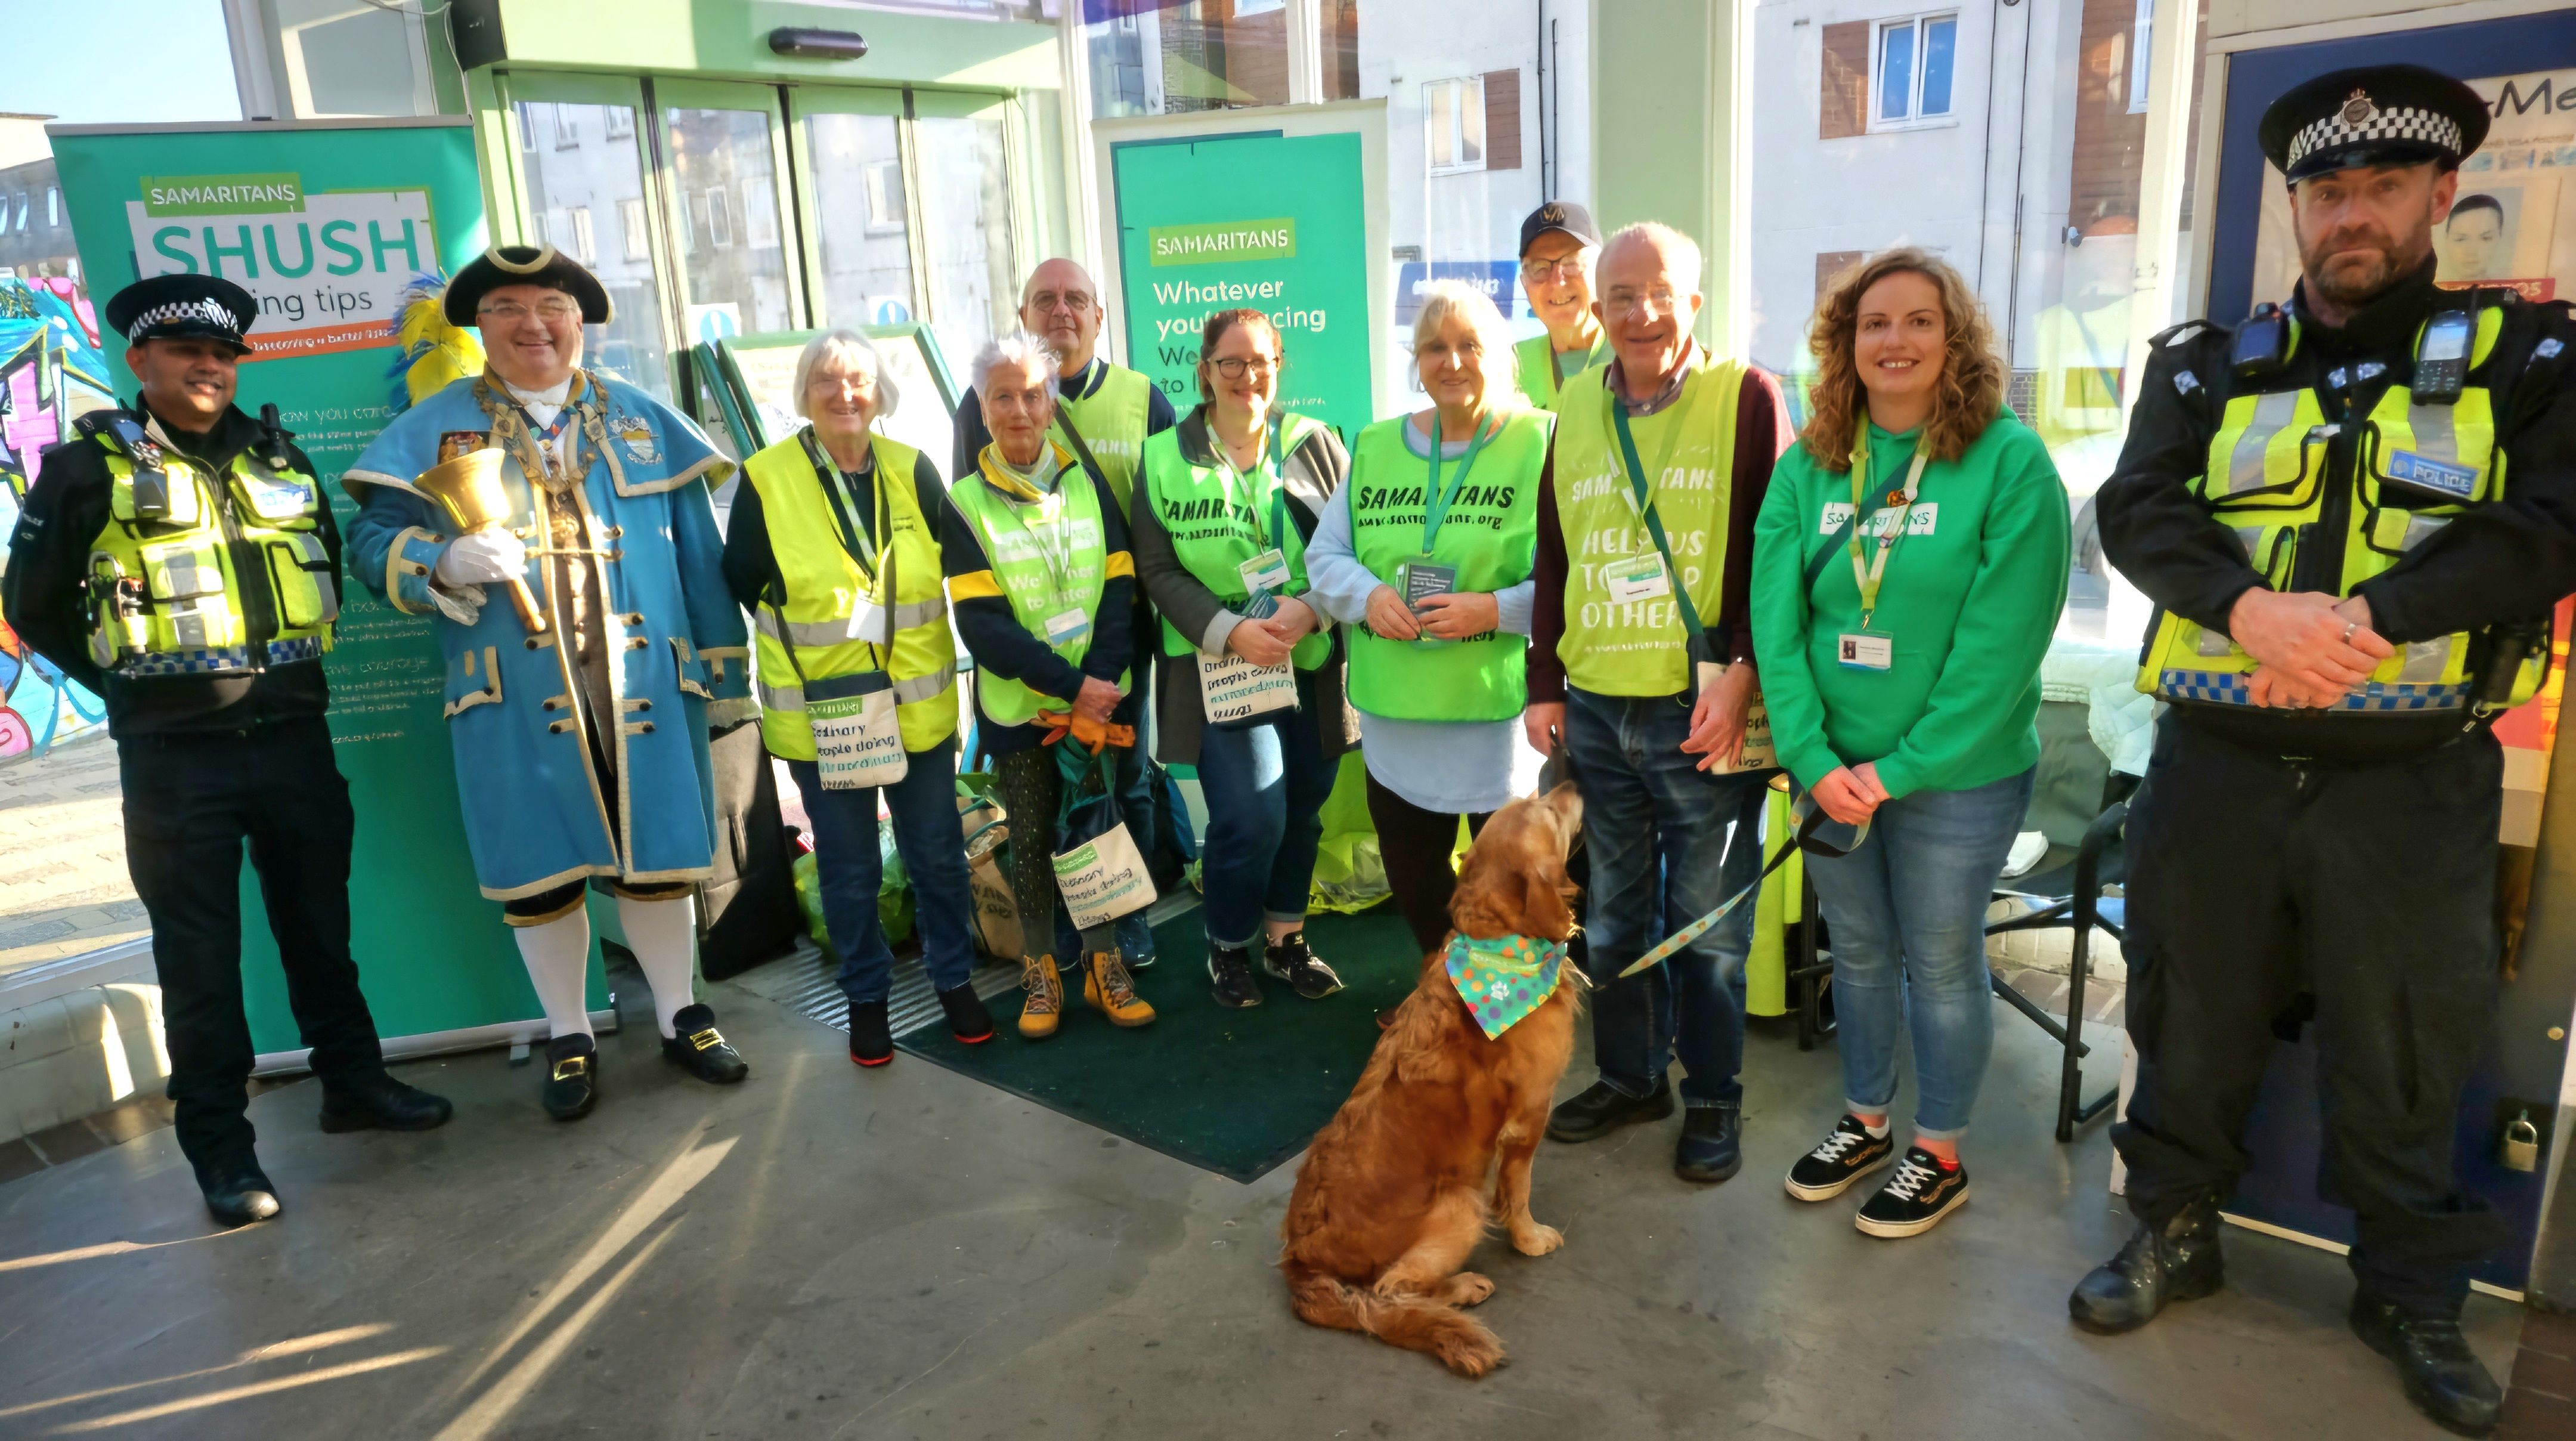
<point>470,489</point>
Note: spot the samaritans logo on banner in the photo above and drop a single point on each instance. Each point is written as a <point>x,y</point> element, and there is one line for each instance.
<point>328,267</point>
<point>1226,240</point>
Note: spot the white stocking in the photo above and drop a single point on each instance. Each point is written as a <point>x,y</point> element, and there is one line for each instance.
<point>558,958</point>
<point>663,935</point>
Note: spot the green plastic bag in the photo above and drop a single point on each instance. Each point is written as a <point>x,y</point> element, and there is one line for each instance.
<point>894,893</point>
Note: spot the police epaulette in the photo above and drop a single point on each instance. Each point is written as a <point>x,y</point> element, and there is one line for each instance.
<point>96,426</point>
<point>2177,334</point>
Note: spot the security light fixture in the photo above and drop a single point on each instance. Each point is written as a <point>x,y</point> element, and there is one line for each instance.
<point>809,44</point>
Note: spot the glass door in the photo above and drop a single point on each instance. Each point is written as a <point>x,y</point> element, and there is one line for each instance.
<point>589,192</point>
<point>724,157</point>
<point>962,171</point>
<point>858,225</point>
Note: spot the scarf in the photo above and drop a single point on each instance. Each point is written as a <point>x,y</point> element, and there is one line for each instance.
<point>1504,980</point>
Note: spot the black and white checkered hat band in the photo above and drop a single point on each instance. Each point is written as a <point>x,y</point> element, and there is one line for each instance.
<point>212,312</point>
<point>2401,124</point>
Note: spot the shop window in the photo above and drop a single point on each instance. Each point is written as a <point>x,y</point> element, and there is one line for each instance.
<point>966,203</point>
<point>859,217</point>
<point>1453,124</point>
<point>1913,64</point>
<point>632,224</point>
<point>563,184</point>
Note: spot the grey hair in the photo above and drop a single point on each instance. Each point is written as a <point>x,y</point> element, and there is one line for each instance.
<point>1442,299</point>
<point>844,343</point>
<point>1678,248</point>
<point>1016,347</point>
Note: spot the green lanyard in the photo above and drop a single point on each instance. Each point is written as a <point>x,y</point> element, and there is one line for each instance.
<point>1867,577</point>
<point>861,544</point>
<point>1271,467</point>
<point>1435,501</point>
<point>1642,497</point>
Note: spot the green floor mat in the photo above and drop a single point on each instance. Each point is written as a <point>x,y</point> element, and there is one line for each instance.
<point>1234,1092</point>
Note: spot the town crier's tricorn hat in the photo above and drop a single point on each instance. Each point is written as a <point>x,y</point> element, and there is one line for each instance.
<point>525,265</point>
<point>2377,115</point>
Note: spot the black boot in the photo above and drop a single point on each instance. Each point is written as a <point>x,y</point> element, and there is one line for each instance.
<point>237,1191</point>
<point>1230,977</point>
<point>1605,1108</point>
<point>572,1077</point>
<point>701,1050</point>
<point>871,1043</point>
<point>968,1021</point>
<point>2177,1261</point>
<point>2444,1379</point>
<point>382,1103</point>
<point>1712,1144</point>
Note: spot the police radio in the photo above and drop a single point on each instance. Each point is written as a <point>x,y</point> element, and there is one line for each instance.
<point>151,482</point>
<point>273,438</point>
<point>2262,345</point>
<point>2442,358</point>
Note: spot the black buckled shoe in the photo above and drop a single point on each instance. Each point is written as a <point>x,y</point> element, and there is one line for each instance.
<point>237,1192</point>
<point>968,1021</point>
<point>2444,1379</point>
<point>381,1103</point>
<point>1230,977</point>
<point>2177,1261</point>
<point>1605,1108</point>
<point>701,1050</point>
<point>871,1042</point>
<point>572,1077</point>
<point>1287,959</point>
<point>1712,1144</point>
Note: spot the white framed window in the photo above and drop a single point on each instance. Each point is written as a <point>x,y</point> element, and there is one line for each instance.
<point>1912,70</point>
<point>719,217</point>
<point>567,127</point>
<point>1453,124</point>
<point>2142,32</point>
<point>883,186</point>
<point>620,123</point>
<point>53,205</point>
<point>630,220</point>
<point>581,237</point>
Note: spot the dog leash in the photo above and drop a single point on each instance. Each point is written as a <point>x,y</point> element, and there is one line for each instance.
<point>1805,840</point>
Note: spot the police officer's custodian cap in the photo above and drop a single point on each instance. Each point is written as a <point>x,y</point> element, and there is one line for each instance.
<point>1562,215</point>
<point>2376,115</point>
<point>525,265</point>
<point>189,307</point>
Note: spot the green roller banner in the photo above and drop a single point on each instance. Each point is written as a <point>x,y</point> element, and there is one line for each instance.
<point>327,224</point>
<point>1267,222</point>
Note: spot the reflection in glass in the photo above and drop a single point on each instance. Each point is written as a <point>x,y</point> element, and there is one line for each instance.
<point>859,218</point>
<point>600,174</point>
<point>1155,57</point>
<point>1940,41</point>
<point>720,162</point>
<point>1895,70</point>
<point>966,203</point>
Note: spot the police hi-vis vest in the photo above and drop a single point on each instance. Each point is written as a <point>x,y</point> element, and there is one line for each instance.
<point>1639,648</point>
<point>1050,556</point>
<point>1218,522</point>
<point>1112,419</point>
<point>1536,366</point>
<point>824,582</point>
<point>232,578</point>
<point>2269,477</point>
<point>1490,534</point>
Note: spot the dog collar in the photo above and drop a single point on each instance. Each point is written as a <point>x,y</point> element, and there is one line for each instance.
<point>1505,979</point>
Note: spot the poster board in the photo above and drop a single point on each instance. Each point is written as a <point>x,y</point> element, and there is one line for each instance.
<point>326,224</point>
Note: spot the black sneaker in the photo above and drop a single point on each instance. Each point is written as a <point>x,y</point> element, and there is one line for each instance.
<point>968,1021</point>
<point>572,1077</point>
<point>871,1041</point>
<point>1230,977</point>
<point>1850,1153</point>
<point>1916,1198</point>
<point>2444,1379</point>
<point>701,1050</point>
<point>1289,960</point>
<point>1711,1149</point>
<point>1605,1108</point>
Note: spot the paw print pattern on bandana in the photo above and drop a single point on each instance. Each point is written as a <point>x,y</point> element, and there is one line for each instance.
<point>1503,980</point>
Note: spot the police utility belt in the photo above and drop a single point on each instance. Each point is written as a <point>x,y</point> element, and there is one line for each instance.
<point>2420,457</point>
<point>205,573</point>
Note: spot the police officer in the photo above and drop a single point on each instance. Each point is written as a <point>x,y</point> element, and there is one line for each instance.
<point>2354,514</point>
<point>1559,243</point>
<point>179,558</point>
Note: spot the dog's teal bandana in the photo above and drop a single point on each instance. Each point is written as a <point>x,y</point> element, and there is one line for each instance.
<point>1503,980</point>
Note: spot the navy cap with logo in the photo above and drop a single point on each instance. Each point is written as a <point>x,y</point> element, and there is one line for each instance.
<point>2376,115</point>
<point>183,307</point>
<point>1562,215</point>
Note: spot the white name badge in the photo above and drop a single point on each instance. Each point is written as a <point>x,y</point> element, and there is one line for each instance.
<point>1638,578</point>
<point>1266,571</point>
<point>871,622</point>
<point>1868,652</point>
<point>1068,627</point>
<point>1233,689</point>
<point>858,741</point>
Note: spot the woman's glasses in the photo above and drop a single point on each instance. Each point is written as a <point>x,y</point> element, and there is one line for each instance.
<point>1234,367</point>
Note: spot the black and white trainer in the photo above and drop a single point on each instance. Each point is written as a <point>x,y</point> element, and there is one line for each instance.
<point>1914,1200</point>
<point>1287,959</point>
<point>1845,1156</point>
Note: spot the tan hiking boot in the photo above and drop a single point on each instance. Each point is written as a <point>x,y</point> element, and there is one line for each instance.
<point>1112,992</point>
<point>1045,1006</point>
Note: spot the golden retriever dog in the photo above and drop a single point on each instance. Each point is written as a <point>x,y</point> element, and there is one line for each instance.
<point>1392,1195</point>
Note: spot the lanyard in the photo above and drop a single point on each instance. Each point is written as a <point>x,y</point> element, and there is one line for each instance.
<point>861,542</point>
<point>1867,577</point>
<point>1435,501</point>
<point>1053,532</point>
<point>1271,461</point>
<point>1642,498</point>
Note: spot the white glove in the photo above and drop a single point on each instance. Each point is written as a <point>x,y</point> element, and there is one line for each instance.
<point>492,555</point>
<point>462,604</point>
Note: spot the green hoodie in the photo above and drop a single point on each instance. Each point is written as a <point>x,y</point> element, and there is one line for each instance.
<point>1970,597</point>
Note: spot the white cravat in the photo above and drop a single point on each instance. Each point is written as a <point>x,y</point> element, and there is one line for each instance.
<point>542,407</point>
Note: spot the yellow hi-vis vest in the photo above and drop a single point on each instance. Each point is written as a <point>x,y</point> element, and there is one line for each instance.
<point>1112,420</point>
<point>824,582</point>
<point>233,578</point>
<point>2267,478</point>
<point>1535,366</point>
<point>1638,648</point>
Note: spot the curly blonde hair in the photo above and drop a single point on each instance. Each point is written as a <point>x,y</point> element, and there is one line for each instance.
<point>1971,392</point>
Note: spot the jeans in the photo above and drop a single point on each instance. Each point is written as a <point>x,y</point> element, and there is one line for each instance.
<point>1265,786</point>
<point>1908,916</point>
<point>1136,808</point>
<point>848,867</point>
<point>1644,798</point>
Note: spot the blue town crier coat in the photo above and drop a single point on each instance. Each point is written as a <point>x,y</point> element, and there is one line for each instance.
<point>536,815</point>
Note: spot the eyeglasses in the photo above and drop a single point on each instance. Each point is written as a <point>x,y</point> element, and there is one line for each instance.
<point>1046,302</point>
<point>1234,366</point>
<point>1564,267</point>
<point>1659,300</point>
<point>511,312</point>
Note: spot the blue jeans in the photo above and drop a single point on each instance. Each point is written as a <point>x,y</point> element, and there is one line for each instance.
<point>1136,808</point>
<point>846,863</point>
<point>1643,799</point>
<point>1907,913</point>
<point>1265,786</point>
